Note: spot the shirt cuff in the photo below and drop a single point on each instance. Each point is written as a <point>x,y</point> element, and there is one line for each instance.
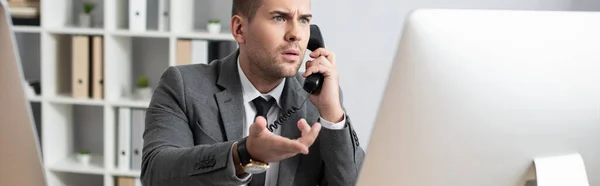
<point>334,126</point>
<point>246,177</point>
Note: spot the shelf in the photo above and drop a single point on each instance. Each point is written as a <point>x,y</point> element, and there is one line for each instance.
<point>128,173</point>
<point>63,99</point>
<point>35,98</point>
<point>27,29</point>
<point>67,124</point>
<point>204,35</point>
<point>71,165</point>
<point>76,31</point>
<point>131,103</point>
<point>150,34</point>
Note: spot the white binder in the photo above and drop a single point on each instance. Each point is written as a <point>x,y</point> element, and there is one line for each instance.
<point>137,15</point>
<point>181,19</point>
<point>163,15</point>
<point>199,51</point>
<point>124,140</point>
<point>138,116</point>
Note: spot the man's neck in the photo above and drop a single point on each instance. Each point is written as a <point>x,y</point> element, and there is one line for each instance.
<point>263,84</point>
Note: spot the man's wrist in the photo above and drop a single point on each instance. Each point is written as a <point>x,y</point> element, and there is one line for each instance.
<point>239,170</point>
<point>333,115</point>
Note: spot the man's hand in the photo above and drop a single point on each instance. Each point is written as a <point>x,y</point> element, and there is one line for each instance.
<point>265,146</point>
<point>328,100</point>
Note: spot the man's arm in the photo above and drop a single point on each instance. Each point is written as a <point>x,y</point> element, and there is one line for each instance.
<point>341,152</point>
<point>341,155</point>
<point>169,155</point>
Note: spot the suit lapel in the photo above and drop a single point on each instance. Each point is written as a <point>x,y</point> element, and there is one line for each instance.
<point>291,97</point>
<point>230,100</point>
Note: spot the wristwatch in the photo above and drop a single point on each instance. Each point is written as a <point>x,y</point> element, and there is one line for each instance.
<point>250,166</point>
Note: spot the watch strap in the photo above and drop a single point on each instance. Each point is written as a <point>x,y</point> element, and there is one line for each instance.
<point>243,152</point>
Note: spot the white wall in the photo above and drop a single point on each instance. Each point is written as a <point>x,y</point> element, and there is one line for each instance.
<point>364,35</point>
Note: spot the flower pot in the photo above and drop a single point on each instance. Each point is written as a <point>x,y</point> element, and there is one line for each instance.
<point>85,20</point>
<point>84,159</point>
<point>214,28</point>
<point>144,93</point>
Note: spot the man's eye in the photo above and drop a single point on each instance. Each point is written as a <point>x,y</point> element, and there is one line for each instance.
<point>278,18</point>
<point>304,20</point>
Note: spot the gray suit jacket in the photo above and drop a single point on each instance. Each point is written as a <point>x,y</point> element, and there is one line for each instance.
<point>196,114</point>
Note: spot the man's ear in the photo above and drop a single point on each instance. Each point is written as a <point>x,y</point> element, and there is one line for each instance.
<point>237,28</point>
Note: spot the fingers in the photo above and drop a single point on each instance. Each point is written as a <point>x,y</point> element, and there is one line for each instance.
<point>309,134</point>
<point>288,146</point>
<point>319,65</point>
<point>260,124</point>
<point>304,127</point>
<point>320,61</point>
<point>325,53</point>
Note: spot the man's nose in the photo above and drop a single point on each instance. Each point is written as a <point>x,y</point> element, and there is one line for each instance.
<point>293,32</point>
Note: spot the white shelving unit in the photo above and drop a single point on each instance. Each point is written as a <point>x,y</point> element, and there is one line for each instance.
<point>66,124</point>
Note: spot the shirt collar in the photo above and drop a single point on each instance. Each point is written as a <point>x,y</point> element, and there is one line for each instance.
<point>250,92</point>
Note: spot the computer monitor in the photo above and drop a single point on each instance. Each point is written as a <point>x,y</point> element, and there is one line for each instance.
<point>474,96</point>
<point>20,154</point>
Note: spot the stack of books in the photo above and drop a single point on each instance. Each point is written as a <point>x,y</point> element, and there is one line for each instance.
<point>25,12</point>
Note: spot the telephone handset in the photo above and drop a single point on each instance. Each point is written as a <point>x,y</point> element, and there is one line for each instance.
<point>312,83</point>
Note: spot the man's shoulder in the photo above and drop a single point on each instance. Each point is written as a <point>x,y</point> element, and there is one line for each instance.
<point>196,76</point>
<point>198,70</point>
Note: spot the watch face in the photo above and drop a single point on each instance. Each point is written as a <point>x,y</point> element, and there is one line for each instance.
<point>254,169</point>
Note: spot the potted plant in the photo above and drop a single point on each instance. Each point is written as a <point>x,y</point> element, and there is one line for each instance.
<point>144,91</point>
<point>85,17</point>
<point>84,157</point>
<point>214,26</point>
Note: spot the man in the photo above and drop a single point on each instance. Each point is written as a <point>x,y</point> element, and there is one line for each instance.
<point>207,124</point>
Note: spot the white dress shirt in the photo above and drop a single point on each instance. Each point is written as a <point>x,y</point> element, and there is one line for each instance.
<point>249,93</point>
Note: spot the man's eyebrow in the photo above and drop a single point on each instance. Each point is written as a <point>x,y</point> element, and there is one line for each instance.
<point>286,14</point>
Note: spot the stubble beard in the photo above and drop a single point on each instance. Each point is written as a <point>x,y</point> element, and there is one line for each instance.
<point>268,65</point>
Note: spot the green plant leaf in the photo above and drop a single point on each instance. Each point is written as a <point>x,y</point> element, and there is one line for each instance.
<point>142,82</point>
<point>88,7</point>
<point>84,152</point>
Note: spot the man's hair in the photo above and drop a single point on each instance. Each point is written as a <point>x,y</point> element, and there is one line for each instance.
<point>247,8</point>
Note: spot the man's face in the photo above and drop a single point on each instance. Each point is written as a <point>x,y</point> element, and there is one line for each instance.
<point>277,36</point>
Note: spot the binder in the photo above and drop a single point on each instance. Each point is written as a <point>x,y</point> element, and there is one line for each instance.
<point>192,51</point>
<point>137,142</point>
<point>125,181</point>
<point>163,15</point>
<point>97,68</point>
<point>183,52</point>
<point>138,182</point>
<point>80,61</point>
<point>199,52</point>
<point>220,49</point>
<point>137,15</point>
<point>124,144</point>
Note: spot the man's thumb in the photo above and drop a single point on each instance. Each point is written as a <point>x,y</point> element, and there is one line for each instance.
<point>260,123</point>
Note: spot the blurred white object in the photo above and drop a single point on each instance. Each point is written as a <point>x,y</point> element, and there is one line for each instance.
<point>84,159</point>
<point>474,96</point>
<point>29,91</point>
<point>561,170</point>
<point>214,28</point>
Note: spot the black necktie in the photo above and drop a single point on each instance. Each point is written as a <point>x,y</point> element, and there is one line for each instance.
<point>262,108</point>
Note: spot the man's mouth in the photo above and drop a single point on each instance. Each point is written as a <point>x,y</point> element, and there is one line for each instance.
<point>291,52</point>
<point>291,55</point>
